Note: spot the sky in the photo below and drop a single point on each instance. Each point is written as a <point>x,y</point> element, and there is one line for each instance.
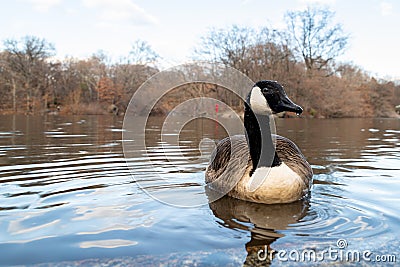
<point>80,28</point>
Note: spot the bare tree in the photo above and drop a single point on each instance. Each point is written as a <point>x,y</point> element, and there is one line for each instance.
<point>142,54</point>
<point>228,46</point>
<point>8,82</point>
<point>27,60</point>
<point>270,56</point>
<point>260,54</point>
<point>314,37</point>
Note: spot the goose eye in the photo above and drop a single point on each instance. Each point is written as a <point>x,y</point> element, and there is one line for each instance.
<point>265,90</point>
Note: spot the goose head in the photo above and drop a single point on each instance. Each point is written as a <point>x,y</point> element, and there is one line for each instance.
<point>268,97</point>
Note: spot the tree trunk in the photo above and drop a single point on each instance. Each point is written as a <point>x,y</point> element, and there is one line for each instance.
<point>27,102</point>
<point>14,94</point>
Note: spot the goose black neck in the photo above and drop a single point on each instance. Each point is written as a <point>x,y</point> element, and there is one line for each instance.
<point>259,139</point>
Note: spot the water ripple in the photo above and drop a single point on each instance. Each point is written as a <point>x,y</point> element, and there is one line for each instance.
<point>66,191</point>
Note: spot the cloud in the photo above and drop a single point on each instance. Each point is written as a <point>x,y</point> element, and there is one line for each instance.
<point>118,11</point>
<point>322,2</point>
<point>386,8</point>
<point>44,5</point>
<point>245,2</point>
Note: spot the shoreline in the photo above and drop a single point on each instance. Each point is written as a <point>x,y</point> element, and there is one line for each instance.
<point>221,115</point>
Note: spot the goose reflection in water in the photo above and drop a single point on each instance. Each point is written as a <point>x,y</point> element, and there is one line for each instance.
<point>266,221</point>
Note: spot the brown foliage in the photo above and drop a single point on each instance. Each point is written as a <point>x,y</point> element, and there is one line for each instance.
<point>314,80</point>
<point>187,92</point>
<point>31,83</point>
<point>108,92</point>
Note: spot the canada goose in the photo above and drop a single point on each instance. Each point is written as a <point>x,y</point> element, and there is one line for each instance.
<point>240,168</point>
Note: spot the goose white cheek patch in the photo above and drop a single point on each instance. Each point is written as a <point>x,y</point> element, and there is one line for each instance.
<point>258,102</point>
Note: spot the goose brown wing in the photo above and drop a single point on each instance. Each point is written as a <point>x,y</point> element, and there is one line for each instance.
<point>291,155</point>
<point>229,160</point>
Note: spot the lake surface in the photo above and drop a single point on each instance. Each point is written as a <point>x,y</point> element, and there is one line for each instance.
<point>68,198</point>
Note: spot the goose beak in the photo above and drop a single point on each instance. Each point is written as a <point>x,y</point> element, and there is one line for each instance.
<point>288,105</point>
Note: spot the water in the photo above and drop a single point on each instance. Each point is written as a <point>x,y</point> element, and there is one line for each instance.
<point>67,197</point>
